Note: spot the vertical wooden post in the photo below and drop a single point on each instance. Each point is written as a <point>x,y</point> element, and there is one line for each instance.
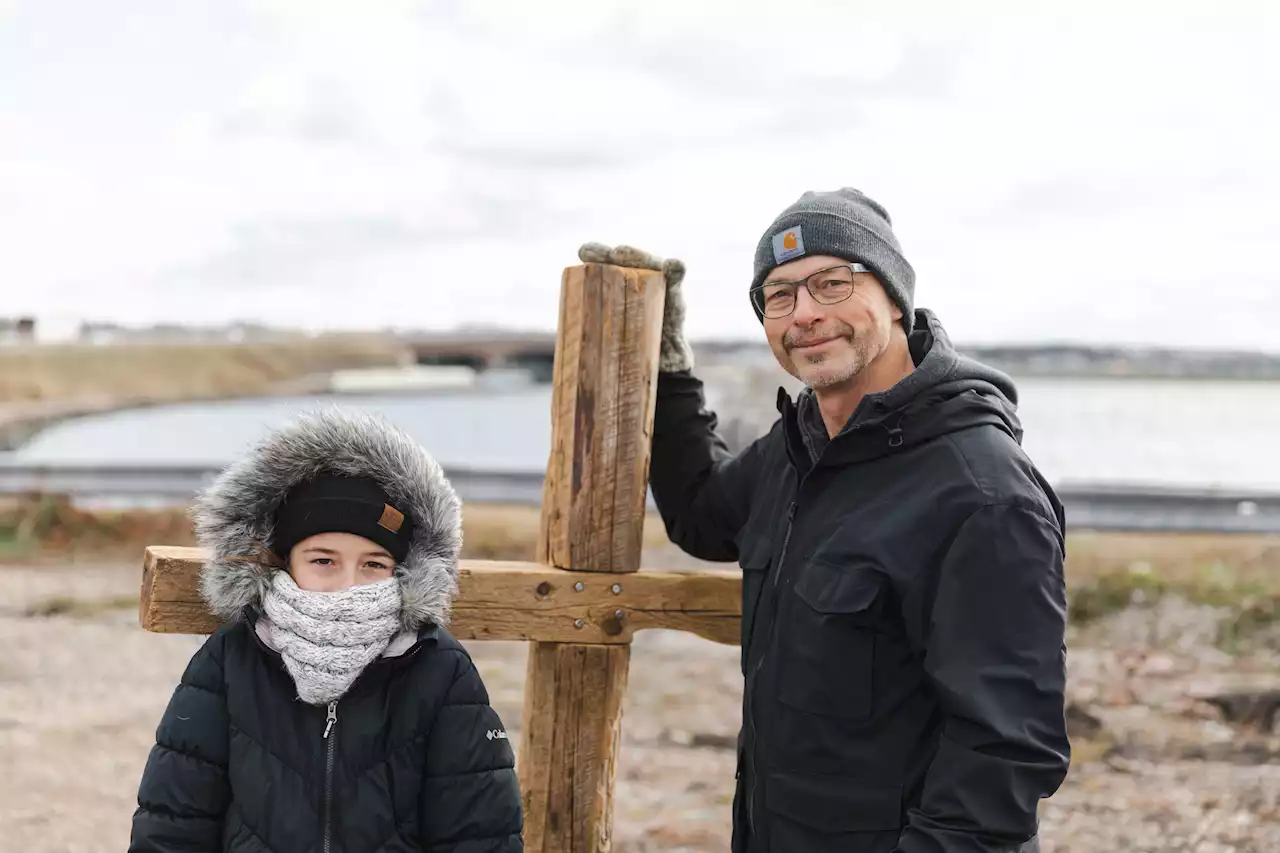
<point>606,367</point>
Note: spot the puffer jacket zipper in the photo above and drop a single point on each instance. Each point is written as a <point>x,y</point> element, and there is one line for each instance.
<point>330,739</point>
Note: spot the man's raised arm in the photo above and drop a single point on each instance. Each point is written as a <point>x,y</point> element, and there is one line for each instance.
<point>702,489</point>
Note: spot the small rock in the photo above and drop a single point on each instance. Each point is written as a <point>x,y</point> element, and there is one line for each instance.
<point>1116,695</point>
<point>1081,723</point>
<point>1157,665</point>
<point>713,740</point>
<point>1255,705</point>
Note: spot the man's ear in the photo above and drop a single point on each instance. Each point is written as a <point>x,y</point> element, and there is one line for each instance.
<point>895,310</point>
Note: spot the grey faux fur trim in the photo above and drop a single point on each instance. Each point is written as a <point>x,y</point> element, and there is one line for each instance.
<point>233,516</point>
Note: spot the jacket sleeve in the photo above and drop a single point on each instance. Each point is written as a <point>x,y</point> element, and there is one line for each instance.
<point>992,633</point>
<point>701,489</point>
<point>183,795</point>
<point>470,796</point>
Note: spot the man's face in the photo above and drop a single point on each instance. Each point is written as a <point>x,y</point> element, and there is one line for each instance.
<point>828,345</point>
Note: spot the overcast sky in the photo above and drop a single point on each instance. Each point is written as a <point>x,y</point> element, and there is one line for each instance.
<point>1087,174</point>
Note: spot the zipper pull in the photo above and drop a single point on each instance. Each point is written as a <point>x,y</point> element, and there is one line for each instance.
<point>331,719</point>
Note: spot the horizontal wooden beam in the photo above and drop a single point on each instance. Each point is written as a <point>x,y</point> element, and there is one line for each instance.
<point>500,600</point>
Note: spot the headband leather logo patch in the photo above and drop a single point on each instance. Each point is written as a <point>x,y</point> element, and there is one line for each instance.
<point>392,518</point>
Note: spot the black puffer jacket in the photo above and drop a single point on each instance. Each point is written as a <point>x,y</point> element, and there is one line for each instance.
<point>416,759</point>
<point>411,758</point>
<point>903,612</point>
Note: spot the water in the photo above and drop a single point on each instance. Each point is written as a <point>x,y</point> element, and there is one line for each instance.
<point>498,431</point>
<point>1197,433</point>
<point>1222,434</point>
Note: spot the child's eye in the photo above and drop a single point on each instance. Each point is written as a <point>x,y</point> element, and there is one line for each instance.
<point>376,566</point>
<point>322,561</point>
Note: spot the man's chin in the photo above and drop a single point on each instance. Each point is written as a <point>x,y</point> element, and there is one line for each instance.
<point>824,374</point>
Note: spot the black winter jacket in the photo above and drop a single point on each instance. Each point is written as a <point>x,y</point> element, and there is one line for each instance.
<point>903,612</point>
<point>415,760</point>
<point>412,758</point>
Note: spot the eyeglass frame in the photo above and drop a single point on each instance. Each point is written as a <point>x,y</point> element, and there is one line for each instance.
<point>852,266</point>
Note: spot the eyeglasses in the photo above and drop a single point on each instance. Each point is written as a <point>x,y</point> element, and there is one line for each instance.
<point>835,284</point>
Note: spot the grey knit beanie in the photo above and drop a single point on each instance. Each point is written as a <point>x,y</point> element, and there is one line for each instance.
<point>846,224</point>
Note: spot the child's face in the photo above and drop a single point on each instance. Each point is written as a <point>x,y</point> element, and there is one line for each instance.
<point>329,562</point>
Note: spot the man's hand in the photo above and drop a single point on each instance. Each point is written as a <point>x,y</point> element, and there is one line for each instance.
<point>676,353</point>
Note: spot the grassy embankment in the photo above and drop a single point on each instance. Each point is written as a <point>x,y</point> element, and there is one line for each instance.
<point>140,373</point>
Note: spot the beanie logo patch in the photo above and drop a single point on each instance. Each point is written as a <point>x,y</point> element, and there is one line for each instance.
<point>788,244</point>
<point>392,518</point>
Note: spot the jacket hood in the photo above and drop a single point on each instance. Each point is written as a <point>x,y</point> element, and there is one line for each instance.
<point>235,515</point>
<point>947,392</point>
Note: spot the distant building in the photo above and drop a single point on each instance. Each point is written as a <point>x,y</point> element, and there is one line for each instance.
<point>20,330</point>
<point>174,333</point>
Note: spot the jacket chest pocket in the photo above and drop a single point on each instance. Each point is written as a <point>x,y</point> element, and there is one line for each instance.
<point>826,662</point>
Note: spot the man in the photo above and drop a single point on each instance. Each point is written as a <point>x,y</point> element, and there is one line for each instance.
<point>903,597</point>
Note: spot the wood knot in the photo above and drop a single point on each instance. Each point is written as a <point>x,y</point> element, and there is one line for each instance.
<point>544,589</point>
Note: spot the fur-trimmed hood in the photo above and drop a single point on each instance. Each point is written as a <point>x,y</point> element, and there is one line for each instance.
<point>234,516</point>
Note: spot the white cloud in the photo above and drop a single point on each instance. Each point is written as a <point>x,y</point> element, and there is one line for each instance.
<point>1097,175</point>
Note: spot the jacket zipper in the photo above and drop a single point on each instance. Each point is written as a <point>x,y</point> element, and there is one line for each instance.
<point>786,540</point>
<point>329,723</point>
<point>755,672</point>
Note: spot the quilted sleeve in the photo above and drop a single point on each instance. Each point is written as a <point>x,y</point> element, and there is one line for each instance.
<point>471,798</point>
<point>184,792</point>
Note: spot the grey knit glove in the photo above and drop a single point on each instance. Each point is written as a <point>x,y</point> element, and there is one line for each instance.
<point>676,353</point>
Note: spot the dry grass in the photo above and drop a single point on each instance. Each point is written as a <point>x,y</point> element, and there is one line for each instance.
<point>177,372</point>
<point>1179,557</point>
<point>53,527</point>
<point>503,532</point>
<point>510,532</point>
<point>1106,572</point>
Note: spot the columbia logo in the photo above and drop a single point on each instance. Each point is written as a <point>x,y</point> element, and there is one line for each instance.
<point>496,733</point>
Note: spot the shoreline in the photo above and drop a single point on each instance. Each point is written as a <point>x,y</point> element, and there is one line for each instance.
<point>42,384</point>
<point>21,422</point>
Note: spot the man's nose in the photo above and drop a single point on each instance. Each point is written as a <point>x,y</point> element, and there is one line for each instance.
<point>808,309</point>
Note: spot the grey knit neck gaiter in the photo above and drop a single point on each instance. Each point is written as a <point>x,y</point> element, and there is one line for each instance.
<point>328,638</point>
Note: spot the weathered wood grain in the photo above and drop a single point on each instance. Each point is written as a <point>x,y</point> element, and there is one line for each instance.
<point>499,600</point>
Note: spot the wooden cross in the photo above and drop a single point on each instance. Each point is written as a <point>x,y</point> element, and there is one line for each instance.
<point>582,601</point>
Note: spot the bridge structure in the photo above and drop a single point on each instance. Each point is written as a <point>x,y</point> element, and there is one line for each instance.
<point>485,349</point>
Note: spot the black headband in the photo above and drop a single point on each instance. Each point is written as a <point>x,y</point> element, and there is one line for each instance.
<point>334,503</point>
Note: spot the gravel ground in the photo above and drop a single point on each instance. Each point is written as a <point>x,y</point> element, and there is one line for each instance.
<point>1157,769</point>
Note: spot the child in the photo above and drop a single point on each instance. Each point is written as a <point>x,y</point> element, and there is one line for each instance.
<point>331,712</point>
